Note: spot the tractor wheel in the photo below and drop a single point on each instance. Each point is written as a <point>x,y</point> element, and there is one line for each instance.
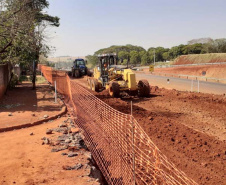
<point>77,73</point>
<point>89,83</point>
<point>94,85</point>
<point>114,89</point>
<point>143,88</point>
<point>73,73</point>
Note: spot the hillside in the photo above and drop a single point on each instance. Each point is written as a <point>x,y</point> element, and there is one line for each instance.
<point>200,58</point>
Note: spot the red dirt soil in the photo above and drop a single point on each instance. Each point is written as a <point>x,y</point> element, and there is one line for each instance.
<point>27,105</point>
<point>201,58</point>
<point>189,128</point>
<point>24,160</point>
<point>214,71</point>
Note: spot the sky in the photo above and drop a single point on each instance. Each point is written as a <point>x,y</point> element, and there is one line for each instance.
<point>89,25</point>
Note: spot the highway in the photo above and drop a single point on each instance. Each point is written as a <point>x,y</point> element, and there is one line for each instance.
<point>183,84</point>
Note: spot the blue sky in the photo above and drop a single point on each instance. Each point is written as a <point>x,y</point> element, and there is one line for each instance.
<point>88,25</point>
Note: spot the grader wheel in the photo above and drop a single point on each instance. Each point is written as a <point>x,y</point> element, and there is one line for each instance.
<point>94,85</point>
<point>143,88</point>
<point>89,83</point>
<point>114,89</point>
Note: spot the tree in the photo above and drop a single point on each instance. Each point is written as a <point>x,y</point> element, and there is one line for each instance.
<point>134,57</point>
<point>123,55</point>
<point>165,56</point>
<point>144,59</point>
<point>117,49</point>
<point>22,29</point>
<point>92,59</point>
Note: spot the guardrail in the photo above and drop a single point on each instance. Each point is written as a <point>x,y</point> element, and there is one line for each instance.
<point>192,77</point>
<point>181,65</point>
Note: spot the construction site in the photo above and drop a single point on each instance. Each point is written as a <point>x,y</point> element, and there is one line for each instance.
<point>168,137</point>
<point>136,131</point>
<point>112,92</point>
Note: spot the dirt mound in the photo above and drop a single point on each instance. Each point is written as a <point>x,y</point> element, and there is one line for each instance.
<point>202,157</point>
<point>214,71</point>
<point>200,58</point>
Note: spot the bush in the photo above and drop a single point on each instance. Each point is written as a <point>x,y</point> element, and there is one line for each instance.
<point>14,81</point>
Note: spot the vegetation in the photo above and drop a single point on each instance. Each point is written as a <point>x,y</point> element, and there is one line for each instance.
<point>138,55</point>
<point>22,38</point>
<point>202,58</point>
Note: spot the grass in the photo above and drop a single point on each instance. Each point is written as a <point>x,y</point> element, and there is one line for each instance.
<point>200,58</point>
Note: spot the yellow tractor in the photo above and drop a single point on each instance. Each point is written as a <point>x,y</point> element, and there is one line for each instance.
<point>116,78</point>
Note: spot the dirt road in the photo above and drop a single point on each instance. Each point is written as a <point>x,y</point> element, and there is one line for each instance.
<point>189,128</point>
<point>24,160</point>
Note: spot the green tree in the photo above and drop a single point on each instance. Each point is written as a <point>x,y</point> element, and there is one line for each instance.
<point>92,60</point>
<point>22,26</point>
<point>123,55</point>
<point>144,59</point>
<point>135,57</point>
<point>165,56</point>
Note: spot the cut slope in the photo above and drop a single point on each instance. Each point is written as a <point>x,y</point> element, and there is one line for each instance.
<point>200,58</point>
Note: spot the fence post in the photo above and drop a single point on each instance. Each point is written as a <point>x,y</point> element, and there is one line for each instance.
<point>198,86</point>
<point>133,143</point>
<point>55,92</point>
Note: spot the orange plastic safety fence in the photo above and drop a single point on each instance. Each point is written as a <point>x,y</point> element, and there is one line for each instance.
<point>123,151</point>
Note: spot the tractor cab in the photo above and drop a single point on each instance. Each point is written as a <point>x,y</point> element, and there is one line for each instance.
<point>106,66</point>
<point>79,68</point>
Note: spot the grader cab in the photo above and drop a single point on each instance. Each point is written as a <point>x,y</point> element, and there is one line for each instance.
<point>116,78</point>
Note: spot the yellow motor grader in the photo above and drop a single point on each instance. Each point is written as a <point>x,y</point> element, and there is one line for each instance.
<point>116,78</point>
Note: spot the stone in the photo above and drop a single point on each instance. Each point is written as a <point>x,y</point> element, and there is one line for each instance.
<point>10,114</point>
<point>67,141</point>
<point>45,116</point>
<point>67,167</point>
<point>75,130</point>
<point>64,154</point>
<point>63,125</point>
<point>62,138</point>
<point>49,131</point>
<point>65,132</point>
<point>31,134</point>
<point>78,166</point>
<point>151,118</point>
<point>88,155</point>
<point>58,149</point>
<point>33,114</point>
<point>71,137</point>
<point>46,141</point>
<point>72,154</point>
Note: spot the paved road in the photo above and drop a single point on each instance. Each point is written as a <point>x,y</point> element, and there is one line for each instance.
<point>183,84</point>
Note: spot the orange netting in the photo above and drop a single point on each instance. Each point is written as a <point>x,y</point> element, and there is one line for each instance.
<point>120,147</point>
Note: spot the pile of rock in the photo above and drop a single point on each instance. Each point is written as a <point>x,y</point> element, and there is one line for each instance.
<point>71,140</point>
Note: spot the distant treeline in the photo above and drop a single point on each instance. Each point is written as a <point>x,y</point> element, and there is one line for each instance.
<point>138,55</point>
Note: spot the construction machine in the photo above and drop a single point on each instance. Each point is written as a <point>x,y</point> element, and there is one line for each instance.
<point>108,74</point>
<point>79,68</point>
